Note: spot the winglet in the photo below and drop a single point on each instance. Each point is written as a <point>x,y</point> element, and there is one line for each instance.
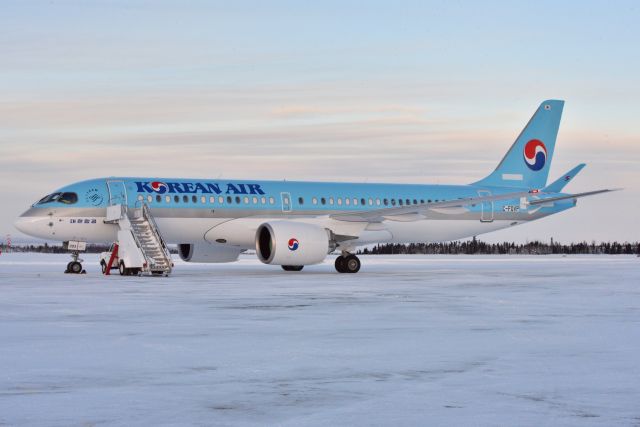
<point>557,185</point>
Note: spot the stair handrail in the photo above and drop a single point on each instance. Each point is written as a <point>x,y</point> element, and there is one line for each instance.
<point>146,213</point>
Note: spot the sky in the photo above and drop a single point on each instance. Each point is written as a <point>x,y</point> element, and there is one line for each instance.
<point>404,92</point>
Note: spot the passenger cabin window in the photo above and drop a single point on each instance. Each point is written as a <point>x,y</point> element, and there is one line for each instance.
<point>185,199</point>
<point>158,198</point>
<point>176,199</point>
<point>323,201</point>
<point>300,201</point>
<point>194,199</point>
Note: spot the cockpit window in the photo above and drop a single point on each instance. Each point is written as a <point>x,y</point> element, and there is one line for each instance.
<point>66,198</point>
<point>49,198</point>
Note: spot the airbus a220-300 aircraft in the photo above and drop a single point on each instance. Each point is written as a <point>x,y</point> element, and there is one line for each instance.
<point>293,224</point>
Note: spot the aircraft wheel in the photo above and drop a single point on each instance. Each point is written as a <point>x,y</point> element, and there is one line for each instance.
<point>104,267</point>
<point>122,269</point>
<point>292,267</point>
<point>75,267</point>
<point>351,264</point>
<point>339,264</point>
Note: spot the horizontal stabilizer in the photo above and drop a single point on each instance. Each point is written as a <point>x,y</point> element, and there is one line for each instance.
<point>569,196</point>
<point>557,185</point>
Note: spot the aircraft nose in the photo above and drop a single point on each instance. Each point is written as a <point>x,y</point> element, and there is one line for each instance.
<point>28,224</point>
<point>22,224</point>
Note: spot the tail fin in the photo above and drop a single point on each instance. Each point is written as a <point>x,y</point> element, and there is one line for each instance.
<point>557,185</point>
<point>528,161</point>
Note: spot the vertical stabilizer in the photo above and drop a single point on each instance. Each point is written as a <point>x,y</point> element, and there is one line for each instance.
<point>528,161</point>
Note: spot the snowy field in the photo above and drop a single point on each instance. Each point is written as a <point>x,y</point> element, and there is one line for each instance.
<point>410,340</point>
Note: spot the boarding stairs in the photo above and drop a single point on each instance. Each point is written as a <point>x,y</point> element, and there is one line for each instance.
<point>140,244</point>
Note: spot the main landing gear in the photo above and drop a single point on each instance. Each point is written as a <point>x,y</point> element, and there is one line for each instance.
<point>347,263</point>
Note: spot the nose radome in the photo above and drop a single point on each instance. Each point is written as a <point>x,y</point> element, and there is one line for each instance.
<point>21,224</point>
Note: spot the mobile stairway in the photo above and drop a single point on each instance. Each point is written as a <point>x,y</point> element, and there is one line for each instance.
<point>140,248</point>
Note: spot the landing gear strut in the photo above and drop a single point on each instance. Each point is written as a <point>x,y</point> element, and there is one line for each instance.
<point>347,263</point>
<point>75,266</point>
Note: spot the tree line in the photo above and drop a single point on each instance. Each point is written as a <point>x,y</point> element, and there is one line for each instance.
<point>477,247</point>
<point>468,247</point>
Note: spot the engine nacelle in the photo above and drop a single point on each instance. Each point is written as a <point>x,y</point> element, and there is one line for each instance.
<point>207,252</point>
<point>292,243</point>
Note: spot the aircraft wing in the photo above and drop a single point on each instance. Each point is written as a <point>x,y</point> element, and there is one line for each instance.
<point>415,212</point>
<point>569,196</point>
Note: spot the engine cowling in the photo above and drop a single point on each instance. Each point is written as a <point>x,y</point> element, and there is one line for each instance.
<point>292,243</point>
<point>207,252</point>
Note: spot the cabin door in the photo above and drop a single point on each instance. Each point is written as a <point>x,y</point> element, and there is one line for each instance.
<point>486,214</point>
<point>286,202</point>
<point>117,193</point>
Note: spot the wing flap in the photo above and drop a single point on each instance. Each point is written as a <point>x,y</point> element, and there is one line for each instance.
<point>569,196</point>
<point>417,212</point>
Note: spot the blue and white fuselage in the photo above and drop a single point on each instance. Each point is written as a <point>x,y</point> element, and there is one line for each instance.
<point>225,217</point>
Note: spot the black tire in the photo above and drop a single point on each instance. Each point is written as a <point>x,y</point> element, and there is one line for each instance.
<point>68,270</point>
<point>104,267</point>
<point>122,269</point>
<point>75,267</point>
<point>339,264</point>
<point>352,264</point>
<point>292,267</point>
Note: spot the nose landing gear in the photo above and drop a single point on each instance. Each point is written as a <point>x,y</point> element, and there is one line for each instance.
<point>75,266</point>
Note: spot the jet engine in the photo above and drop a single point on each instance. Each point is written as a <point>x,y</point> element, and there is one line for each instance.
<point>292,243</point>
<point>207,252</point>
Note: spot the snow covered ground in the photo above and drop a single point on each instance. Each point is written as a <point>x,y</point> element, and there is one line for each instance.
<point>410,340</point>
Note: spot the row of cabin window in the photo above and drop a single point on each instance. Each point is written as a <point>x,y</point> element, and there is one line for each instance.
<point>212,199</point>
<point>263,200</point>
<point>363,201</point>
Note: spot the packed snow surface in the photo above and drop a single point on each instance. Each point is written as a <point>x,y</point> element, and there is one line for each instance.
<point>410,340</point>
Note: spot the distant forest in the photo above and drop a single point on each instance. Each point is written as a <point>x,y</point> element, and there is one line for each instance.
<point>469,247</point>
<point>477,247</point>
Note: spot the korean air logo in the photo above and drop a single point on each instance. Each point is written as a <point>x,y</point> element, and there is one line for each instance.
<point>535,154</point>
<point>159,187</point>
<point>293,244</point>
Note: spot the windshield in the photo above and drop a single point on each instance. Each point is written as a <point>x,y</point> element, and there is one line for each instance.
<point>66,198</point>
<point>50,198</point>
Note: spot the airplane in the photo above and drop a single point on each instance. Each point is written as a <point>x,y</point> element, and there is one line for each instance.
<point>294,224</point>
